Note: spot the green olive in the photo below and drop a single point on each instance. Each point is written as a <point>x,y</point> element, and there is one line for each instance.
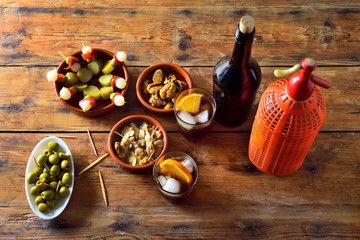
<point>53,159</point>
<point>53,146</point>
<point>51,203</point>
<point>43,207</point>
<point>35,190</point>
<point>48,194</point>
<point>46,170</point>
<point>31,177</point>
<point>47,152</point>
<point>39,200</point>
<point>61,175</point>
<point>54,170</point>
<point>52,186</point>
<point>66,179</point>
<point>44,177</point>
<point>64,191</point>
<point>43,186</point>
<point>65,165</point>
<point>53,179</point>
<point>41,160</point>
<point>64,156</point>
<point>71,79</point>
<point>38,171</point>
<point>56,195</point>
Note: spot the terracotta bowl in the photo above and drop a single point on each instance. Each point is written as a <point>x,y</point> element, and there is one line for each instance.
<point>167,68</point>
<point>113,137</point>
<point>102,106</point>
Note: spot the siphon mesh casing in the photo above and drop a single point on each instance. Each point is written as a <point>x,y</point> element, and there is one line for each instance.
<point>283,129</point>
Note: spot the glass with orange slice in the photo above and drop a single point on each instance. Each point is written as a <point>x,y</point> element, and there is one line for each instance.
<point>175,174</point>
<point>194,110</point>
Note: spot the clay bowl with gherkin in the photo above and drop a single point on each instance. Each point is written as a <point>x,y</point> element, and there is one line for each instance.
<point>103,103</point>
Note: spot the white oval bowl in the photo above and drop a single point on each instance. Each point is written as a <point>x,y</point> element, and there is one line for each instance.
<point>31,165</point>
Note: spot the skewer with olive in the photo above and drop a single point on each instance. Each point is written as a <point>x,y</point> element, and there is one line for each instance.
<point>51,177</point>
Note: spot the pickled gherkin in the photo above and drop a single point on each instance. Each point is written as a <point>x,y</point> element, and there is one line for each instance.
<point>95,66</point>
<point>80,86</point>
<point>109,67</point>
<point>105,80</point>
<point>92,91</point>
<point>105,92</point>
<point>84,75</point>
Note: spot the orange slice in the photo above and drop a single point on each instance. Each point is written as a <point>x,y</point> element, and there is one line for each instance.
<point>190,103</point>
<point>176,170</point>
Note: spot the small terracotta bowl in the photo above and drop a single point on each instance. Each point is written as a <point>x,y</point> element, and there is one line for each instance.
<point>102,106</point>
<point>167,68</point>
<point>113,137</point>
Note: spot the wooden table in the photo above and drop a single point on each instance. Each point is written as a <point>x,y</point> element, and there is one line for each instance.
<point>232,200</point>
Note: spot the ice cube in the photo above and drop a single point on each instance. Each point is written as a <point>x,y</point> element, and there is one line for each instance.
<point>187,163</point>
<point>187,117</point>
<point>202,117</point>
<point>172,185</point>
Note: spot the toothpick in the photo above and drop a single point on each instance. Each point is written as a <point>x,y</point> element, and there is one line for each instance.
<point>121,135</point>
<point>151,140</point>
<point>92,143</point>
<point>45,183</point>
<point>152,134</point>
<point>47,167</point>
<point>62,55</point>
<point>103,188</point>
<point>58,185</point>
<point>83,44</point>
<point>36,161</point>
<point>151,156</point>
<point>93,163</point>
<point>58,98</point>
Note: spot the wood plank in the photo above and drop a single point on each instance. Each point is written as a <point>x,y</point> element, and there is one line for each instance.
<point>232,198</point>
<point>181,32</point>
<point>28,103</point>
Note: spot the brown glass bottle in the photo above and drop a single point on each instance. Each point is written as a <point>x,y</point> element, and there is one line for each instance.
<point>237,78</point>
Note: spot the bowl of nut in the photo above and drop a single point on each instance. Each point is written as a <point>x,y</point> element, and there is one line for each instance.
<point>159,85</point>
<point>136,142</point>
<point>91,82</point>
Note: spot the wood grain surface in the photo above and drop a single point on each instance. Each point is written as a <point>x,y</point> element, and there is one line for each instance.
<point>232,199</point>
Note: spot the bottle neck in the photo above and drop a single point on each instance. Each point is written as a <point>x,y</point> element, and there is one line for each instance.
<point>242,48</point>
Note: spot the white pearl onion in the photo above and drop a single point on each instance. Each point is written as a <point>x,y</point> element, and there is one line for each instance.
<point>86,49</point>
<point>52,75</point>
<point>65,93</point>
<point>119,100</point>
<point>120,83</point>
<point>121,56</point>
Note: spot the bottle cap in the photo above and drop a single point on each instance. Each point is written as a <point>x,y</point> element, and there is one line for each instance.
<point>247,24</point>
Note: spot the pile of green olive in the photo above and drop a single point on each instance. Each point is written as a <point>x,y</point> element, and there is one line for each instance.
<point>51,177</point>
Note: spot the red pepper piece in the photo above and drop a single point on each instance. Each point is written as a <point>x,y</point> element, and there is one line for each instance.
<point>91,55</point>
<point>60,77</point>
<point>70,60</point>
